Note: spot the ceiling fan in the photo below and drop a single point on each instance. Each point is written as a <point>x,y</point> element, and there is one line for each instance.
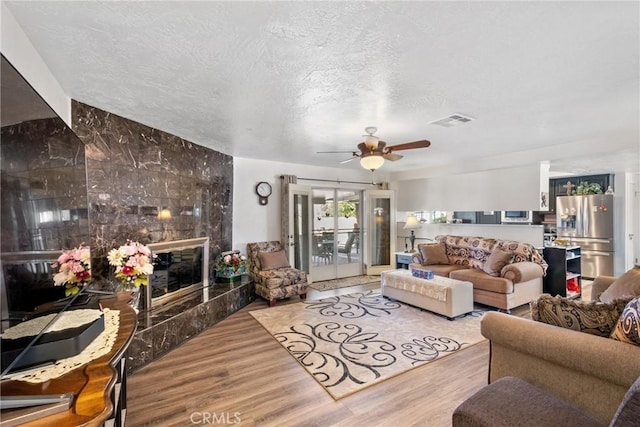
<point>373,151</point>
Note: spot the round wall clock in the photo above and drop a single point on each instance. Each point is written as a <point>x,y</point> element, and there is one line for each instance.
<point>263,190</point>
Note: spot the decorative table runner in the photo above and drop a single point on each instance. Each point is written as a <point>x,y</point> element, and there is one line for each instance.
<point>435,288</point>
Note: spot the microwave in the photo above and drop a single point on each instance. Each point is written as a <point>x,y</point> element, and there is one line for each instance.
<point>516,216</point>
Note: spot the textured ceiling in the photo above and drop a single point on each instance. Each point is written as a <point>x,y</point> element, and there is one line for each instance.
<point>552,81</point>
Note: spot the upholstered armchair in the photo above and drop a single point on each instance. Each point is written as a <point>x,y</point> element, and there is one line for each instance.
<point>273,276</point>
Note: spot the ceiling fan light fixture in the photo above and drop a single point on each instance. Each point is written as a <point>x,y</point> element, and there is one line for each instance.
<point>371,162</point>
<point>371,141</point>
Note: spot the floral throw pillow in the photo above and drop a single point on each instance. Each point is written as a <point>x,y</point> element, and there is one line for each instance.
<point>594,318</point>
<point>628,326</point>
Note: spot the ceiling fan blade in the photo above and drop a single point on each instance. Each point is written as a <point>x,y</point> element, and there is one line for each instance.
<point>348,160</point>
<point>392,156</point>
<point>332,152</point>
<point>409,145</point>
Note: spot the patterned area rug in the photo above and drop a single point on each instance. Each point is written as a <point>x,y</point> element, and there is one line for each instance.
<point>326,285</point>
<point>349,342</point>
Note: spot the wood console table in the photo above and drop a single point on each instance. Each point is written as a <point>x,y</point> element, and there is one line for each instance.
<point>99,387</point>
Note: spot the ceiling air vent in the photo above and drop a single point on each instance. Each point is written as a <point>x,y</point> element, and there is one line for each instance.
<point>452,120</point>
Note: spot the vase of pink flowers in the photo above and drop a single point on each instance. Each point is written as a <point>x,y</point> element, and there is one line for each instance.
<point>133,264</point>
<point>74,269</point>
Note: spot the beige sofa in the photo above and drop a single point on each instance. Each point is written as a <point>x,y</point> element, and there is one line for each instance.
<point>588,371</point>
<point>508,279</point>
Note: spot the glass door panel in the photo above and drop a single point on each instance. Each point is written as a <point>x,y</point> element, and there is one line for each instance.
<point>323,243</point>
<point>382,231</point>
<point>301,241</point>
<point>348,255</point>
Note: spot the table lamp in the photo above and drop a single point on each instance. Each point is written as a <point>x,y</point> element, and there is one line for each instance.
<point>412,223</point>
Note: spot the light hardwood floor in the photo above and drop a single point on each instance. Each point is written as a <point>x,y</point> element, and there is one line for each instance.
<point>235,373</point>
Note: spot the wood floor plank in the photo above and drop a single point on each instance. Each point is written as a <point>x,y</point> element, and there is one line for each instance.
<point>237,368</point>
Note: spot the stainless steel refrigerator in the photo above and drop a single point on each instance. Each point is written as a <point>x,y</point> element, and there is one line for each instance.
<point>587,221</point>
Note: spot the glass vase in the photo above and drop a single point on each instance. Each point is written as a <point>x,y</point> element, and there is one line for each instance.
<point>134,300</point>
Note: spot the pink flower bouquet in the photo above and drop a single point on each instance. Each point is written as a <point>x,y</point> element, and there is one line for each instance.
<point>133,263</point>
<point>74,269</point>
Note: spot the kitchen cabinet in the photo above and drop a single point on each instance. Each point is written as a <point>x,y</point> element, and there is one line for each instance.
<point>564,272</point>
<point>465,217</point>
<point>477,217</point>
<point>488,217</point>
<point>557,186</point>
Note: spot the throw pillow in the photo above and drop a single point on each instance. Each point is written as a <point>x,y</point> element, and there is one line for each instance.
<point>273,260</point>
<point>628,327</point>
<point>593,317</point>
<point>434,253</point>
<point>496,261</point>
<point>626,285</point>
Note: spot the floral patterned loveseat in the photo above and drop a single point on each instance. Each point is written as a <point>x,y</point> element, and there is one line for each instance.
<point>508,279</point>
<point>276,283</point>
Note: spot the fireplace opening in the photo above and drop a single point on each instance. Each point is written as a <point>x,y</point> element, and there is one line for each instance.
<point>181,268</point>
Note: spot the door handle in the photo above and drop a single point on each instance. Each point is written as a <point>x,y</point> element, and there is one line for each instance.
<point>594,240</point>
<point>596,253</point>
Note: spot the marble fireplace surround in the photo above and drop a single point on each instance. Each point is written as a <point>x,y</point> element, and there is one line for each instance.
<point>184,319</point>
<point>180,315</point>
<point>132,168</point>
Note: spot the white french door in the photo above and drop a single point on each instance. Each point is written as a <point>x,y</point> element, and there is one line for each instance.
<point>324,231</point>
<point>299,224</point>
<point>380,233</point>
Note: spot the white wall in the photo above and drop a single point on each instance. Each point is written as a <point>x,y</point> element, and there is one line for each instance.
<point>255,223</point>
<point>490,190</point>
<point>19,51</point>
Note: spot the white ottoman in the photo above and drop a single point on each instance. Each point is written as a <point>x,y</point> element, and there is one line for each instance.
<point>449,297</point>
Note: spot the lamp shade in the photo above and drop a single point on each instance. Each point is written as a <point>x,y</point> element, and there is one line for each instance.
<point>372,162</point>
<point>164,214</point>
<point>411,223</point>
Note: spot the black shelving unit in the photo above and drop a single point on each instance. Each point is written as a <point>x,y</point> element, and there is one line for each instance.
<point>564,274</point>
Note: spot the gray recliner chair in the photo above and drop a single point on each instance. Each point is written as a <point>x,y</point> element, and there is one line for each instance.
<point>511,401</point>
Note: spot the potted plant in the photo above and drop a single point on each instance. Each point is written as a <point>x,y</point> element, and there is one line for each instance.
<point>230,266</point>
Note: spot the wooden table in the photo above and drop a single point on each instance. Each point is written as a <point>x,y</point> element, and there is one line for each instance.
<point>91,384</point>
